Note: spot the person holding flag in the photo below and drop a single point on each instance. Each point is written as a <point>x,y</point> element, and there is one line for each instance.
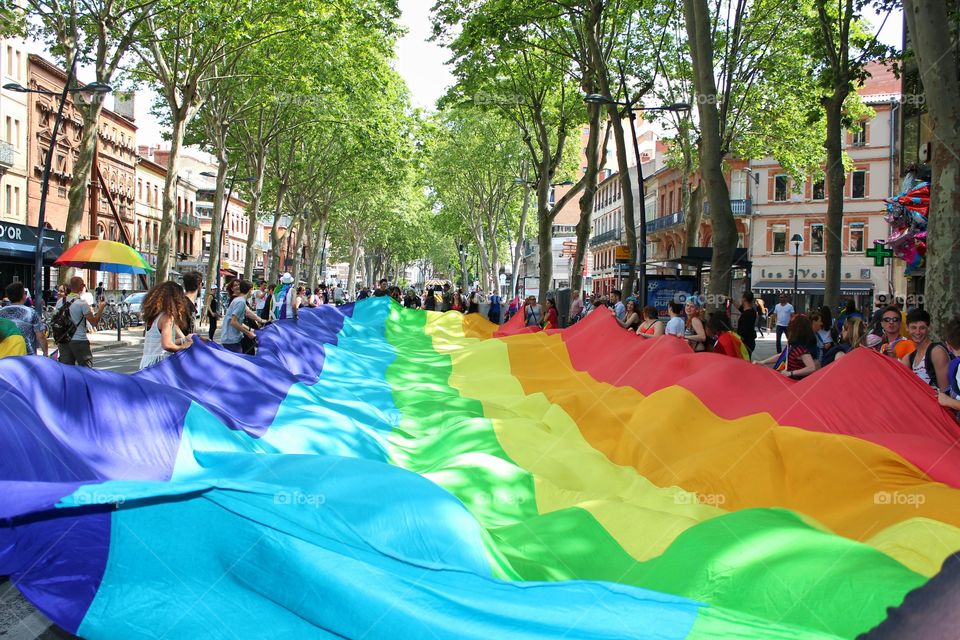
<point>286,302</point>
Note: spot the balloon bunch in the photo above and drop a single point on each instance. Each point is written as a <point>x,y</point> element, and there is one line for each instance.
<point>907,214</point>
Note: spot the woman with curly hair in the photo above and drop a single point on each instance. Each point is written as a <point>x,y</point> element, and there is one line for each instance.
<point>165,314</point>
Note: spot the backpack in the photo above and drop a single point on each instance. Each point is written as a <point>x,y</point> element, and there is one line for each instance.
<point>62,326</point>
<point>928,362</point>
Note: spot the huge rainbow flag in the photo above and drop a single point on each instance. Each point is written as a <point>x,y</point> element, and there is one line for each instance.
<point>378,472</point>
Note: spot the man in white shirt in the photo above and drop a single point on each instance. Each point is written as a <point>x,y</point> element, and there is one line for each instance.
<point>784,312</point>
<point>618,307</point>
<point>260,297</point>
<point>338,295</point>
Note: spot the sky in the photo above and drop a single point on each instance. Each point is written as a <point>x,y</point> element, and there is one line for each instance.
<point>421,63</point>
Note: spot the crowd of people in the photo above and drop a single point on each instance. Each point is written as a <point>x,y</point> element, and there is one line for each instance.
<point>805,342</point>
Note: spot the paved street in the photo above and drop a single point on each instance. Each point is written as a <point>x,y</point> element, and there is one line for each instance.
<point>125,359</point>
<point>20,621</point>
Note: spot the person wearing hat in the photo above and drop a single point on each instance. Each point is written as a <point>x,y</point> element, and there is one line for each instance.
<point>286,302</point>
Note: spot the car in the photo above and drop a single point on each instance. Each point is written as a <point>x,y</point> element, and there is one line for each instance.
<point>133,302</point>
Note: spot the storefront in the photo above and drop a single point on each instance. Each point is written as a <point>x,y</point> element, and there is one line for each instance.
<point>809,293</point>
<point>18,245</point>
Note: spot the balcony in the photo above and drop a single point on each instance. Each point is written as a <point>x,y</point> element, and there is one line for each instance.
<point>607,236</point>
<point>665,222</point>
<point>188,220</point>
<point>739,207</point>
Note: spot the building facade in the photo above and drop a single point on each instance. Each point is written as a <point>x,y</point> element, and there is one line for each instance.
<point>110,202</point>
<point>14,122</point>
<point>151,178</point>
<point>784,209</point>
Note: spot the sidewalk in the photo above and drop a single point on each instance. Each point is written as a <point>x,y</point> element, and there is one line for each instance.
<point>107,339</point>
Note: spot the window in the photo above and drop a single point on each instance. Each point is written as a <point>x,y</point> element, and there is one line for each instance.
<point>779,238</point>
<point>780,188</point>
<point>860,137</point>
<point>19,60</point>
<point>818,190</point>
<point>16,131</point>
<point>816,237</point>
<point>859,184</point>
<point>856,237</point>
<point>9,61</point>
<point>16,201</point>
<point>9,208</point>
<point>9,137</point>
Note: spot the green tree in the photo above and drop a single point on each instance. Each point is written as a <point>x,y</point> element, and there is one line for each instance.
<point>841,41</point>
<point>95,32</point>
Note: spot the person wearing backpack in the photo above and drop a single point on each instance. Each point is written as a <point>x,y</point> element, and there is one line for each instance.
<point>69,325</point>
<point>931,360</point>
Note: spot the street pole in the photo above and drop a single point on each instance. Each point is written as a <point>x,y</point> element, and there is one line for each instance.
<point>45,188</point>
<point>223,226</point>
<point>642,276</point>
<point>796,266</point>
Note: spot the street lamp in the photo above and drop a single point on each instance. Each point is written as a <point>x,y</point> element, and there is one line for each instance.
<point>223,217</point>
<point>676,107</point>
<point>92,89</point>
<point>797,240</point>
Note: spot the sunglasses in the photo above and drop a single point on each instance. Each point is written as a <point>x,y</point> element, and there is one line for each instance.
<point>891,320</point>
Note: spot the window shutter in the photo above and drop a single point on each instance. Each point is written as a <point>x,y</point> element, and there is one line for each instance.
<point>866,133</point>
<point>771,179</point>
<point>808,189</point>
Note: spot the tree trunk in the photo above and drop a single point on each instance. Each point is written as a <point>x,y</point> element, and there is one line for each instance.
<point>80,182</point>
<point>518,247</point>
<point>253,221</point>
<point>545,244</point>
<point>930,27</point>
<point>274,274</point>
<point>316,248</point>
<point>836,177</point>
<point>216,226</point>
<point>167,223</point>
<point>352,272</point>
<point>724,236</point>
<point>585,223</point>
<point>302,240</point>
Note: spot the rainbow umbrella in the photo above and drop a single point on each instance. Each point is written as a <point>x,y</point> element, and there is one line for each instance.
<point>104,255</point>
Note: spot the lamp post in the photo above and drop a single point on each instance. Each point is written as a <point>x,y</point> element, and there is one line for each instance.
<point>93,89</point>
<point>223,217</point>
<point>677,107</point>
<point>797,240</point>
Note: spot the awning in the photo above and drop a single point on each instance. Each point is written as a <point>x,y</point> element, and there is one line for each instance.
<point>227,272</point>
<point>815,286</point>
